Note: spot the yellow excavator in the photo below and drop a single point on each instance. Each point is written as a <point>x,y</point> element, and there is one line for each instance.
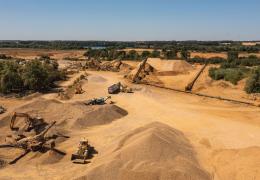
<point>30,122</point>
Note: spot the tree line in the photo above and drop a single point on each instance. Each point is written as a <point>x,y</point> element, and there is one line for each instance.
<point>201,46</point>
<point>236,68</point>
<point>111,54</point>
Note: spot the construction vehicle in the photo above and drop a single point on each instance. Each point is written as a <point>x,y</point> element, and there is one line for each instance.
<point>30,122</point>
<point>35,143</point>
<point>116,88</point>
<point>126,89</point>
<point>83,152</point>
<point>191,84</point>
<point>98,101</point>
<point>111,66</point>
<point>140,68</point>
<point>78,89</point>
<point>2,109</point>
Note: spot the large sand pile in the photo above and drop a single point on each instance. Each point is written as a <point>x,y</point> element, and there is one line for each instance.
<point>111,65</point>
<point>146,76</point>
<point>237,164</point>
<point>170,67</point>
<point>125,68</point>
<point>78,115</point>
<point>97,115</point>
<point>155,151</point>
<point>51,157</point>
<point>96,79</point>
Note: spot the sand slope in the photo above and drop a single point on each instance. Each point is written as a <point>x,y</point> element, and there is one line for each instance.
<point>155,151</point>
<point>237,164</point>
<point>169,67</point>
<point>78,115</point>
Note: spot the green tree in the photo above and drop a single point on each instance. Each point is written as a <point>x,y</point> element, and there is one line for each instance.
<point>132,55</point>
<point>145,54</point>
<point>121,55</point>
<point>232,56</point>
<point>10,79</point>
<point>185,54</point>
<point>253,82</point>
<point>155,54</point>
<point>35,76</point>
<point>170,54</point>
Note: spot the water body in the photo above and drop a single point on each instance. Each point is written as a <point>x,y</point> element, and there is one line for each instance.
<point>95,47</point>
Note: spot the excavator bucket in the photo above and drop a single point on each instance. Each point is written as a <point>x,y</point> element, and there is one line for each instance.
<point>79,159</point>
<point>2,109</point>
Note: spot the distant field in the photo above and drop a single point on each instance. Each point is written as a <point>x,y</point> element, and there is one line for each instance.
<point>138,50</point>
<point>248,54</point>
<point>209,55</point>
<point>33,53</point>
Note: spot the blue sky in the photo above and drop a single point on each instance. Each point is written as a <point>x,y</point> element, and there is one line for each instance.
<point>129,20</point>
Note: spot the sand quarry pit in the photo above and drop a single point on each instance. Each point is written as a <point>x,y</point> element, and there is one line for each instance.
<point>150,134</point>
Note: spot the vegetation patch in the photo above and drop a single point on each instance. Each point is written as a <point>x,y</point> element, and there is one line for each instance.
<point>235,69</point>
<point>253,82</point>
<point>232,75</point>
<point>34,75</point>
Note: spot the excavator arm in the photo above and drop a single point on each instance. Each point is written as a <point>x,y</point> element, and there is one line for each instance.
<point>28,120</point>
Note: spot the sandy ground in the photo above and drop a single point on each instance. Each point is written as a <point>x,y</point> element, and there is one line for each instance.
<point>248,54</point>
<point>151,134</point>
<point>208,55</point>
<point>223,138</point>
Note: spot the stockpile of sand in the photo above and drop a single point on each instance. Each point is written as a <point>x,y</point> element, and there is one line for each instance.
<point>67,115</point>
<point>146,76</point>
<point>155,151</point>
<point>93,65</point>
<point>170,67</point>
<point>96,79</point>
<point>111,66</point>
<point>78,115</point>
<point>97,115</point>
<point>125,68</point>
<point>51,157</point>
<point>237,164</point>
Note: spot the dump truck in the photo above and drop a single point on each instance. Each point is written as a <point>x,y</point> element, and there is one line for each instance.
<point>119,87</point>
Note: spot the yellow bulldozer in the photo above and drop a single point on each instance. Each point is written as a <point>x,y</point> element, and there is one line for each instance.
<point>83,153</point>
